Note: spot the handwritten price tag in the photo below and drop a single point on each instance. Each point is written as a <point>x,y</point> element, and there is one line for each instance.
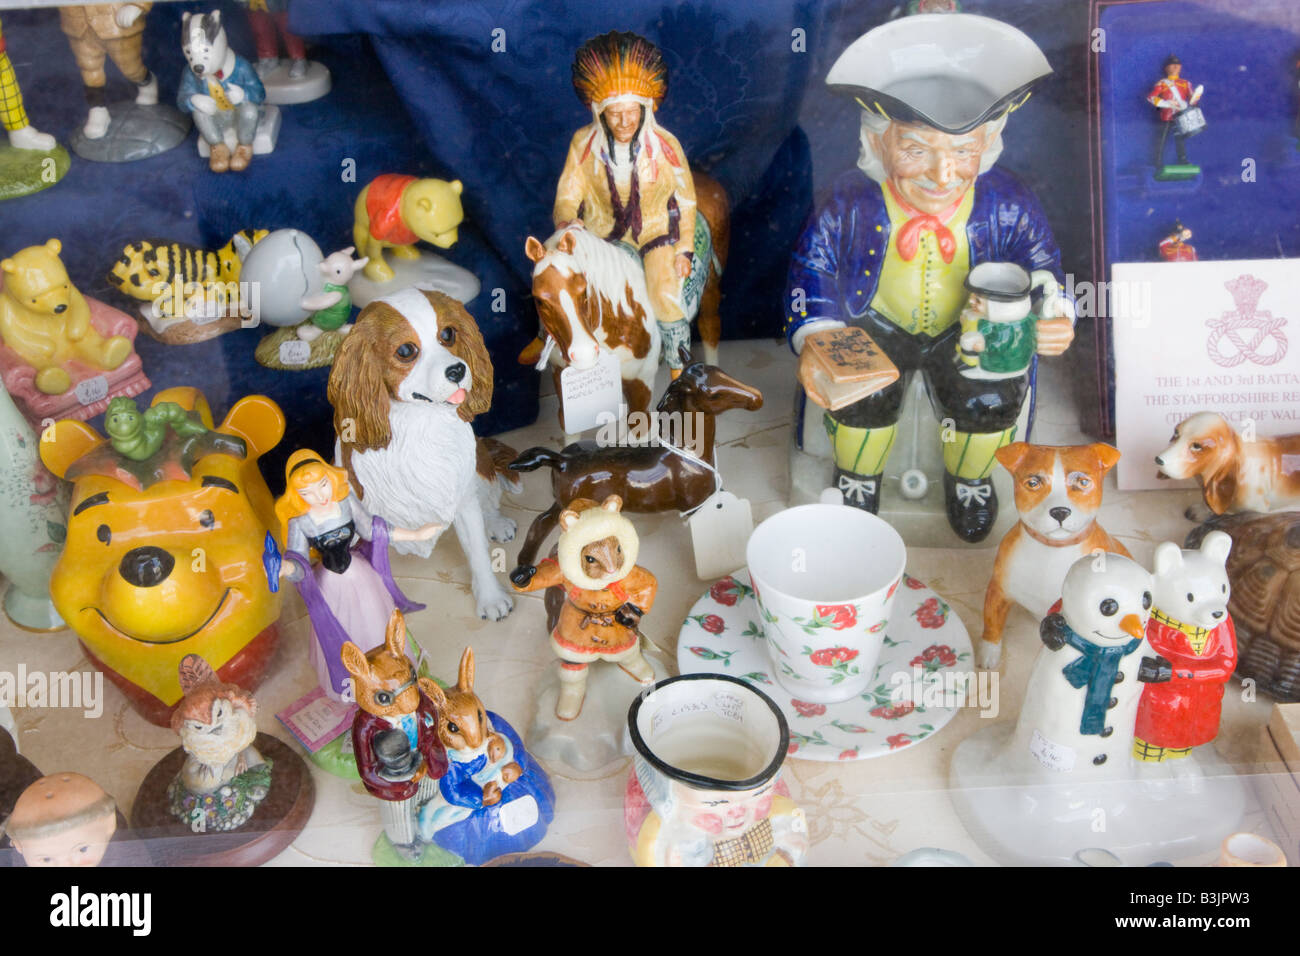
<point>1051,755</point>
<point>92,390</point>
<point>294,352</point>
<point>590,396</point>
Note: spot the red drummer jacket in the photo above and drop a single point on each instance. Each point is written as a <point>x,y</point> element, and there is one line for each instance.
<point>1184,712</point>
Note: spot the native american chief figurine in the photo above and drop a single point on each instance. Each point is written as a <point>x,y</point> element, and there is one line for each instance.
<point>627,178</point>
<point>891,249</point>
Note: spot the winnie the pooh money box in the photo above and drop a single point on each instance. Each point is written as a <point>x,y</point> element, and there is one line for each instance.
<point>170,554</point>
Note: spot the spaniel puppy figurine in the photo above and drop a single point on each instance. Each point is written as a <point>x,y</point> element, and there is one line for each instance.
<point>1236,474</point>
<point>405,385</point>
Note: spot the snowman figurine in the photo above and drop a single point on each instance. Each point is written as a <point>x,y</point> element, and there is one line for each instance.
<point>1081,702</point>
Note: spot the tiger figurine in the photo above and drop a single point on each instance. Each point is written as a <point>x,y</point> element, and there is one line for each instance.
<point>148,268</point>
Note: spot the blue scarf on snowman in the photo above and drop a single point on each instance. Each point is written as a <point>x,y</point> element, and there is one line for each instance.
<point>1096,669</point>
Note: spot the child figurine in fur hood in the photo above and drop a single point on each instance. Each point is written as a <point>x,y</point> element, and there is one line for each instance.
<point>598,595</point>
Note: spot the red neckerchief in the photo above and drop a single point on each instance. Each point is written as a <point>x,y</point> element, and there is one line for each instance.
<point>909,236</point>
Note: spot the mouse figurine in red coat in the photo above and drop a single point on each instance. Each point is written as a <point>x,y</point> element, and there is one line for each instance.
<point>1191,631</point>
<point>395,736</point>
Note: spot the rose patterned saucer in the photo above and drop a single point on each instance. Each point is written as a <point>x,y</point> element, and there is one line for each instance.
<point>925,672</point>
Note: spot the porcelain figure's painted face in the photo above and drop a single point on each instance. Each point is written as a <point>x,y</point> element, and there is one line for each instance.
<point>317,493</point>
<point>724,814</point>
<point>623,120</point>
<point>1173,70</point>
<point>930,169</point>
<point>83,845</point>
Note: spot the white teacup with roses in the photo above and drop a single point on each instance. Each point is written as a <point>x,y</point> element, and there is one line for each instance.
<point>824,578</point>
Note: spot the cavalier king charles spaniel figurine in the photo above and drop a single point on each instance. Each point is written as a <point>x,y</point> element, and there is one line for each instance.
<point>405,385</point>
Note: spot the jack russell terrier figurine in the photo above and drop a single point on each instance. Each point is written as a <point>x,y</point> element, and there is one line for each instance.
<point>1058,495</point>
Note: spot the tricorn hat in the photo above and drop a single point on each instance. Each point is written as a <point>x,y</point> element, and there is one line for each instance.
<point>952,71</point>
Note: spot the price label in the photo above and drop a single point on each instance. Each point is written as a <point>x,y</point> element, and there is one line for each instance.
<point>1051,755</point>
<point>92,390</point>
<point>294,352</point>
<point>589,397</point>
<point>518,815</point>
<point>720,530</point>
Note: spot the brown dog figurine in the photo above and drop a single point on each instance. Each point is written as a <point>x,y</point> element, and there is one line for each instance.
<point>1058,495</point>
<point>1235,474</point>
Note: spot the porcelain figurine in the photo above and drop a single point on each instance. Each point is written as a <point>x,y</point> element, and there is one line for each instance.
<point>494,798</point>
<point>1192,633</point>
<point>1175,246</point>
<point>224,777</point>
<point>331,308</point>
<point>1263,586</point>
<point>64,819</point>
<point>191,294</point>
<point>627,181</point>
<point>25,169</point>
<point>1058,497</point>
<point>399,753</point>
<point>892,249</point>
<point>350,594</point>
<point>650,477</point>
<point>139,435</point>
<point>596,597</point>
<point>1060,784</point>
<point>405,385</point>
<point>394,212</point>
<point>33,523</point>
<point>304,297</point>
<point>999,330</point>
<point>297,81</point>
<point>1081,701</point>
<point>172,554</point>
<point>100,31</point>
<point>705,786</point>
<point>1176,103</point>
<point>1235,475</point>
<point>224,95</point>
<point>61,354</point>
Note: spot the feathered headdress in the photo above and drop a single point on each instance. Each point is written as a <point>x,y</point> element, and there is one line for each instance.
<point>619,64</point>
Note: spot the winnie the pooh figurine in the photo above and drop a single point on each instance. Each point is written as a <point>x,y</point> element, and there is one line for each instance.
<point>395,212</point>
<point>46,321</point>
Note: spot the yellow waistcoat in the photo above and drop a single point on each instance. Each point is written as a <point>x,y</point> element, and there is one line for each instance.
<point>926,294</point>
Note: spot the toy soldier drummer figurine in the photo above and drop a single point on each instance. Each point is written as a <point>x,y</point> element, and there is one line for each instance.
<point>627,178</point>
<point>1175,247</point>
<point>1174,97</point>
<point>891,249</point>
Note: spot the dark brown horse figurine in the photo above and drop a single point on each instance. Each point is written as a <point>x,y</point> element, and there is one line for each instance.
<point>649,478</point>
<point>591,295</point>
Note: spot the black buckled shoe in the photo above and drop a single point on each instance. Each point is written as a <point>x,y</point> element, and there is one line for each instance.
<point>972,506</point>
<point>860,491</point>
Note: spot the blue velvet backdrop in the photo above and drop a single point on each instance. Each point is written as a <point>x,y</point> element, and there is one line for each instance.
<point>420,89</point>
<point>1246,59</point>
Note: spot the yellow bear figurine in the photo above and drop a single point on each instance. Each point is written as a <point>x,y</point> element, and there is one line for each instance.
<point>46,321</point>
<point>396,211</point>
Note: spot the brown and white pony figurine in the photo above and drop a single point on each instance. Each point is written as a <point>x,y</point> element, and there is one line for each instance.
<point>591,295</point>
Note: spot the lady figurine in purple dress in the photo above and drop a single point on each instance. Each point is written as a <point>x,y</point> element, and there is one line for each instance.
<point>350,594</point>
